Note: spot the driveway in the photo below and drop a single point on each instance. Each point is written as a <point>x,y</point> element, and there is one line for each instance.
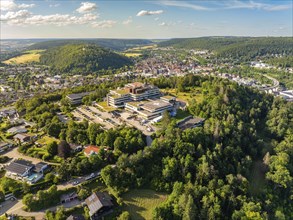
<point>17,209</point>
<point>14,154</point>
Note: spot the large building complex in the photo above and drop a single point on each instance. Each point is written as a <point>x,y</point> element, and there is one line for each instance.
<point>140,98</point>
<point>131,92</point>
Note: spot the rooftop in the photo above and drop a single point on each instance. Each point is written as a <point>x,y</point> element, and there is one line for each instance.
<point>135,85</point>
<point>97,201</point>
<point>91,150</point>
<point>19,166</point>
<point>77,95</point>
<point>121,91</point>
<point>153,105</point>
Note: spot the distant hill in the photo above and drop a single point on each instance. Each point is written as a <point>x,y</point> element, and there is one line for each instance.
<point>232,47</point>
<point>83,58</point>
<point>114,44</point>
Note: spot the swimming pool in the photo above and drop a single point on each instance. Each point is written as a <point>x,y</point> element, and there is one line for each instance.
<point>34,177</point>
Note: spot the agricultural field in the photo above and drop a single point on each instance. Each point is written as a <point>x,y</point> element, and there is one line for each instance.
<point>129,54</point>
<point>137,51</point>
<point>141,203</point>
<point>26,57</point>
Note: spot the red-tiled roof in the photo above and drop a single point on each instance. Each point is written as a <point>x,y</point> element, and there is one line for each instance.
<point>91,150</point>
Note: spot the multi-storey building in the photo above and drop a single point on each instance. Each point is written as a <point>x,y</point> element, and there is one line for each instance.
<point>131,92</point>
<point>149,109</point>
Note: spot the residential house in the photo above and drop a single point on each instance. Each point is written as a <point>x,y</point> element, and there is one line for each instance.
<point>20,168</point>
<point>75,217</point>
<point>75,148</point>
<point>41,167</point>
<point>99,203</point>
<point>17,130</point>
<point>68,197</point>
<point>4,146</point>
<point>22,138</point>
<point>37,173</point>
<point>91,150</point>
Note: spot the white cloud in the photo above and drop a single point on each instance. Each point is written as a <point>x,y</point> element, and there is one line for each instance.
<point>14,16</point>
<point>128,21</point>
<point>144,13</point>
<point>87,7</point>
<point>278,7</point>
<point>54,5</point>
<point>10,5</point>
<point>226,5</point>
<point>254,5</point>
<point>163,24</point>
<point>24,17</point>
<point>104,24</point>
<point>26,5</point>
<point>183,4</point>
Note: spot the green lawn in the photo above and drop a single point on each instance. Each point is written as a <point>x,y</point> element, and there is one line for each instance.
<point>194,93</point>
<point>181,115</point>
<point>257,179</point>
<point>141,203</point>
<point>46,140</point>
<point>105,107</point>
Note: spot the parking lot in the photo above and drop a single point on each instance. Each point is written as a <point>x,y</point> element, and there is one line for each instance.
<point>110,120</point>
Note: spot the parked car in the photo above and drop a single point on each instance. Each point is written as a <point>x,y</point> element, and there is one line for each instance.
<point>75,183</point>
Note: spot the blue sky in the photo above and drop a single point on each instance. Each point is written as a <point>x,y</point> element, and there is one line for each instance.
<point>144,19</point>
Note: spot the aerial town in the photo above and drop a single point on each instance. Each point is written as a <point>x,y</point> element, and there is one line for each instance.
<point>146,110</point>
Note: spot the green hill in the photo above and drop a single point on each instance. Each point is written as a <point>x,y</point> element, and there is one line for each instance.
<point>82,58</point>
<point>114,44</point>
<point>245,48</point>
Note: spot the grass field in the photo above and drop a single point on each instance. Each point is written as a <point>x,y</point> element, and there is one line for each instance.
<point>27,57</point>
<point>46,140</point>
<point>141,203</point>
<point>186,96</point>
<point>132,54</point>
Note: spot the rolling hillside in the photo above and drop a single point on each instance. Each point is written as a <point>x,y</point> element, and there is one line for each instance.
<point>245,48</point>
<point>113,44</point>
<point>82,58</point>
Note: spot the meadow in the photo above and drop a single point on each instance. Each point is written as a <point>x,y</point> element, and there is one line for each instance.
<point>27,57</point>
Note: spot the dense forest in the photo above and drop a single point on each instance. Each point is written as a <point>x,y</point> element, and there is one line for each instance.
<point>114,44</point>
<point>238,166</point>
<point>82,58</point>
<point>244,48</point>
<point>286,61</point>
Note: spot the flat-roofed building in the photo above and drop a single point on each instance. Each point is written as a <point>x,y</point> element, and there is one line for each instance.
<point>131,92</point>
<point>149,109</point>
<point>76,98</point>
<point>168,98</point>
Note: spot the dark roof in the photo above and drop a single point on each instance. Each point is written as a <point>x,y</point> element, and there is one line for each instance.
<point>190,122</point>
<point>77,95</point>
<point>75,217</point>
<point>19,166</point>
<point>39,166</point>
<point>97,201</point>
<point>3,144</point>
<point>68,196</point>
